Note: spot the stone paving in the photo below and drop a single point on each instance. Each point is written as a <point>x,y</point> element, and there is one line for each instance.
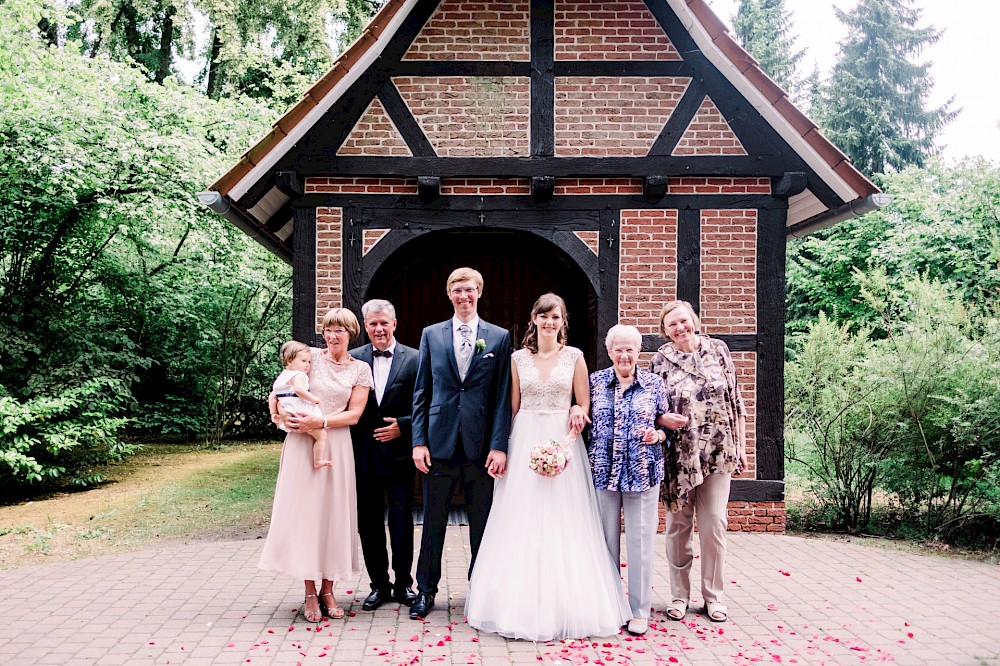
<point>792,601</point>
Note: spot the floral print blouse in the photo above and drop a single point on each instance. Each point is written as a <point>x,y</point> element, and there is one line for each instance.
<point>702,386</point>
<point>619,460</point>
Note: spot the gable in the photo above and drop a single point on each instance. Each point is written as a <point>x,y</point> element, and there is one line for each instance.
<point>561,88</point>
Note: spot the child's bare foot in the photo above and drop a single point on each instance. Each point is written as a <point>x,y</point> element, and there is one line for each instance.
<point>322,463</point>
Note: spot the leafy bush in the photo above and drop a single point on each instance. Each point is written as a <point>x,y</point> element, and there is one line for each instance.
<point>910,415</point>
<point>67,435</point>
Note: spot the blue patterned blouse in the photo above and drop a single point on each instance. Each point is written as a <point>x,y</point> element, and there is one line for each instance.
<point>619,460</point>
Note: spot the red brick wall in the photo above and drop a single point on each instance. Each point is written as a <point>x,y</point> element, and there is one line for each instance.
<point>709,134</point>
<point>370,237</point>
<point>485,186</point>
<point>596,30</point>
<point>691,185</point>
<point>756,517</point>
<point>360,185</point>
<point>728,271</point>
<point>374,134</point>
<point>616,116</point>
<point>329,263</point>
<point>475,30</point>
<point>474,116</point>
<point>647,266</point>
<point>746,379</point>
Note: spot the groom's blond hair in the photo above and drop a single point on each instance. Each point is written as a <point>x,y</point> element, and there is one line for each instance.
<point>465,274</point>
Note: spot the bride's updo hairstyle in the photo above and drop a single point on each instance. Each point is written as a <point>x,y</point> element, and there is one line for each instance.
<point>545,303</point>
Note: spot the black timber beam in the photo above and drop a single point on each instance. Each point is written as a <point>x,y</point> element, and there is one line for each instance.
<point>525,167</point>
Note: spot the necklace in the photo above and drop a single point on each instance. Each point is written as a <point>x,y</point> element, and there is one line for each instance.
<point>329,357</point>
<point>550,354</point>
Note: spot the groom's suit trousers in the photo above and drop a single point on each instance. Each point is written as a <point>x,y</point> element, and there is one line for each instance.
<point>439,486</point>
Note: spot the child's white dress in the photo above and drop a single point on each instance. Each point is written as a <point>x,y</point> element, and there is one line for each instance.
<point>290,402</point>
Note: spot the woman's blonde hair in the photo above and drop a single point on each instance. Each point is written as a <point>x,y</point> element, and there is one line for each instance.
<point>673,305</point>
<point>290,350</point>
<point>546,303</point>
<point>463,274</point>
<point>342,317</point>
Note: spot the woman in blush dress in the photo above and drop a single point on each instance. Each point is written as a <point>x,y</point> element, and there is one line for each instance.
<point>543,571</point>
<point>314,529</point>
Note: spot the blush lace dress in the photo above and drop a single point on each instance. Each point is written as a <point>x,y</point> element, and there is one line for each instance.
<point>314,525</point>
<point>543,571</point>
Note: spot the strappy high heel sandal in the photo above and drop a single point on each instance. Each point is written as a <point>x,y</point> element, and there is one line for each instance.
<point>332,611</point>
<point>313,616</point>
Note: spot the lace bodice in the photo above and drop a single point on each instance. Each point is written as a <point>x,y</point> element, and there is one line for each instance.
<point>556,392</point>
<point>333,384</point>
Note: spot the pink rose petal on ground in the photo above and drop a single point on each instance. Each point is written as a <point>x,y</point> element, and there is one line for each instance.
<point>415,637</point>
<point>858,579</point>
<point>909,634</point>
<point>230,644</point>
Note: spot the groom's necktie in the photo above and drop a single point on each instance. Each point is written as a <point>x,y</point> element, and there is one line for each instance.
<point>464,350</point>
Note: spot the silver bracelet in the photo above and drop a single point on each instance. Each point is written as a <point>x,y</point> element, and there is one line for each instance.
<point>325,423</point>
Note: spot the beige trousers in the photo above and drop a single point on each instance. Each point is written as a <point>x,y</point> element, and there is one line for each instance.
<point>708,501</point>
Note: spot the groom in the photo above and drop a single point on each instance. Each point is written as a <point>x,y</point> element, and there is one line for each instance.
<point>461,422</point>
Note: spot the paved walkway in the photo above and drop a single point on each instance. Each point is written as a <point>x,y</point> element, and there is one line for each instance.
<point>792,601</point>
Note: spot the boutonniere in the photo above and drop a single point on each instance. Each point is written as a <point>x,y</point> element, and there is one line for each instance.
<point>480,345</point>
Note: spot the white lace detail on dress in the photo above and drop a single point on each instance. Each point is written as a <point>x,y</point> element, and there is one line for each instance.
<point>556,391</point>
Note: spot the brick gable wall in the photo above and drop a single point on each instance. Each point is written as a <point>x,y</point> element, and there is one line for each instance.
<point>595,30</point>
<point>475,30</point>
<point>613,116</point>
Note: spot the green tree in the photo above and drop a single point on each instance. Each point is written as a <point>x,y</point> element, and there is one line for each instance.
<point>103,247</point>
<point>943,223</point>
<point>875,106</point>
<point>763,28</point>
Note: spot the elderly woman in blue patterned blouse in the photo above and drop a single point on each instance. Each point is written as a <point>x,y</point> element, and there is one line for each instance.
<point>626,458</point>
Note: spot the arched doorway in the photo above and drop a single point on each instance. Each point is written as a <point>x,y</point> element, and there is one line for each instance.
<point>517,267</point>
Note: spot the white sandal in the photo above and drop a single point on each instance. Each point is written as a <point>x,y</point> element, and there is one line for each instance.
<point>677,609</point>
<point>716,611</point>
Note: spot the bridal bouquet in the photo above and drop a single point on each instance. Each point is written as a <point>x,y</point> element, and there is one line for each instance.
<point>549,457</point>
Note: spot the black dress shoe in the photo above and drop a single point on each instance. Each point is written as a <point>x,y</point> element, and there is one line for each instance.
<point>423,604</point>
<point>376,599</point>
<point>405,596</point>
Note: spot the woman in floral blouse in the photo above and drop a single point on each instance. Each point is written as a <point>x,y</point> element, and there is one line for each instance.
<point>626,460</point>
<point>700,378</point>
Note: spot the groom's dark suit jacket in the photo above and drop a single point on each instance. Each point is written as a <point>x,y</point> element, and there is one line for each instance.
<point>475,411</point>
<point>370,455</point>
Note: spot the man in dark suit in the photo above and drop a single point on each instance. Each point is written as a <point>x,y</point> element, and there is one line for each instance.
<point>383,457</point>
<point>461,423</point>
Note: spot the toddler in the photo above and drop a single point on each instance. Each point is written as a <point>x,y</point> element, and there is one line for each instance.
<point>291,395</point>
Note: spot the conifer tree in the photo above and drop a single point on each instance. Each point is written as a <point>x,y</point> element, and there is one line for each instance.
<point>875,106</point>
<point>763,28</point>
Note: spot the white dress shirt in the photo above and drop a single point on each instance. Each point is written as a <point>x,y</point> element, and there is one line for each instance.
<point>380,371</point>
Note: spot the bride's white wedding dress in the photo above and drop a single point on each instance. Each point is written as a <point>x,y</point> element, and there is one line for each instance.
<point>543,571</point>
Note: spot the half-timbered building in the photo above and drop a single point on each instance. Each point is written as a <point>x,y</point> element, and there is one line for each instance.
<point>621,154</point>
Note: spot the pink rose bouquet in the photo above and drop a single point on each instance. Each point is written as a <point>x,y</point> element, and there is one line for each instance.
<point>549,457</point>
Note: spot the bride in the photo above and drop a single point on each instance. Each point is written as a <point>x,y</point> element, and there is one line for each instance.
<point>543,571</point>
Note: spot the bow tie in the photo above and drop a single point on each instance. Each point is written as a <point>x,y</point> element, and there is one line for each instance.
<point>376,353</point>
